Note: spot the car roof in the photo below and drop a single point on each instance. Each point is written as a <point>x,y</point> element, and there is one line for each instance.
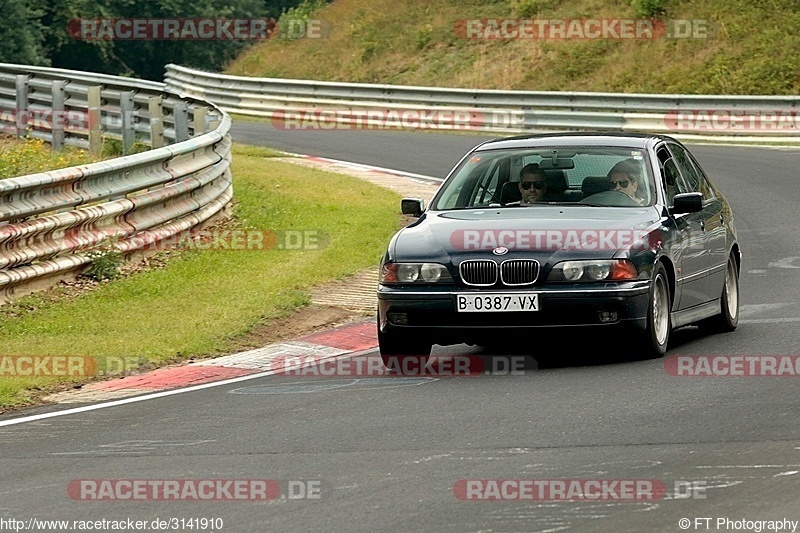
<point>615,139</point>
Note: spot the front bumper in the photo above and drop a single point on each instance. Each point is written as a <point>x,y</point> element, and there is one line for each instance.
<point>430,312</point>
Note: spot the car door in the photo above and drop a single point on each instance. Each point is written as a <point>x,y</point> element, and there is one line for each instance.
<point>685,245</point>
<point>710,244</point>
<point>714,222</point>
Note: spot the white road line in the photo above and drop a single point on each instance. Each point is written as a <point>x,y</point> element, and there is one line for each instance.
<point>785,262</point>
<point>115,403</point>
<point>155,395</point>
<point>747,466</point>
<point>753,309</point>
<point>769,320</point>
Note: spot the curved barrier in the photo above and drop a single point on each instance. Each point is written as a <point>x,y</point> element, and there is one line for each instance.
<point>51,222</point>
<point>320,104</point>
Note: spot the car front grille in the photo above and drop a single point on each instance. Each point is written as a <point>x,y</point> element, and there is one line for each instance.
<point>480,273</point>
<point>484,272</point>
<point>519,271</point>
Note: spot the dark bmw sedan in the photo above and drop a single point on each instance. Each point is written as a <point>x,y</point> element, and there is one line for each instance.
<point>563,230</point>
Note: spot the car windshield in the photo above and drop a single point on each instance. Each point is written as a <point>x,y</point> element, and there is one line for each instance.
<point>591,176</point>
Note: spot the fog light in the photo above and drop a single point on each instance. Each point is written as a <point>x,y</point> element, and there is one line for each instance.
<point>407,272</point>
<point>400,319</point>
<point>608,316</point>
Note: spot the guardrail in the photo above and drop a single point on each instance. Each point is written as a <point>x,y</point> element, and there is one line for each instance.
<point>51,222</point>
<point>690,117</point>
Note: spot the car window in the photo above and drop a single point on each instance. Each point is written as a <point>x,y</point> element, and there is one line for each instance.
<point>670,176</point>
<point>475,174</point>
<point>486,191</point>
<point>705,183</point>
<point>479,181</point>
<point>695,181</point>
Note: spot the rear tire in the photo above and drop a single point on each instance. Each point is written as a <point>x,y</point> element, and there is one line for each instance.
<point>728,317</point>
<point>655,337</point>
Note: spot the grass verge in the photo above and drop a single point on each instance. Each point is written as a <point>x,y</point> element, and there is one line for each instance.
<point>202,301</point>
<point>29,156</point>
<point>745,48</point>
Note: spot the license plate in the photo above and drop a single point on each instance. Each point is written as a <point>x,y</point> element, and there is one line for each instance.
<point>497,302</point>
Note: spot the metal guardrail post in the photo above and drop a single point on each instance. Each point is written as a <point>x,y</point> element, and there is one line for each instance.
<point>181,111</point>
<point>200,120</point>
<point>128,120</point>
<point>93,111</point>
<point>22,104</point>
<point>58,117</point>
<point>213,120</point>
<point>155,109</point>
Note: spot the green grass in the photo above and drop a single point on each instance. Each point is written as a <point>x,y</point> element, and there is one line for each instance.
<point>751,49</point>
<point>29,156</point>
<point>204,300</point>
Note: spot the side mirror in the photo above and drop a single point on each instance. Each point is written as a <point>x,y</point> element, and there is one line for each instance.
<point>412,206</point>
<point>687,202</point>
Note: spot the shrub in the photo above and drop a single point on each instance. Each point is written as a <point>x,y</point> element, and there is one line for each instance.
<point>649,8</point>
<point>105,265</point>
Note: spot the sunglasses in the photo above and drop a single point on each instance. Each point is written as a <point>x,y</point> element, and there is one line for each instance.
<point>622,183</point>
<point>538,185</point>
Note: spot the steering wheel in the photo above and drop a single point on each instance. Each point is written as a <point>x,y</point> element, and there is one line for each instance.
<point>612,199</point>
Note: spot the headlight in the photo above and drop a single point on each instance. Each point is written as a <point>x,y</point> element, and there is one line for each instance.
<point>393,273</point>
<point>431,272</point>
<point>600,270</point>
<point>572,270</point>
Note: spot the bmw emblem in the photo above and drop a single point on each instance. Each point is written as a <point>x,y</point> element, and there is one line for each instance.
<point>500,250</point>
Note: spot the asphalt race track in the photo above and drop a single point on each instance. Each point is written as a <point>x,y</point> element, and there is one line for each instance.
<point>398,454</point>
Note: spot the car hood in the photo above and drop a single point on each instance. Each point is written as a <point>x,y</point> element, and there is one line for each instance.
<point>540,232</point>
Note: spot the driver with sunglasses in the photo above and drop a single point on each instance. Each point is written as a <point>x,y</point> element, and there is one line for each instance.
<point>623,177</point>
<point>532,184</point>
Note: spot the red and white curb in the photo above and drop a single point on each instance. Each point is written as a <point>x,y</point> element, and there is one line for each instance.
<point>343,340</point>
<point>368,168</point>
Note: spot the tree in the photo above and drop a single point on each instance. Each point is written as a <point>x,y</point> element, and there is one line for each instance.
<point>40,32</point>
<point>22,32</point>
<point>146,58</point>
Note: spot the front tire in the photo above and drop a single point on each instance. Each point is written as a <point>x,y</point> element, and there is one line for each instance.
<point>396,350</point>
<point>655,337</point>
